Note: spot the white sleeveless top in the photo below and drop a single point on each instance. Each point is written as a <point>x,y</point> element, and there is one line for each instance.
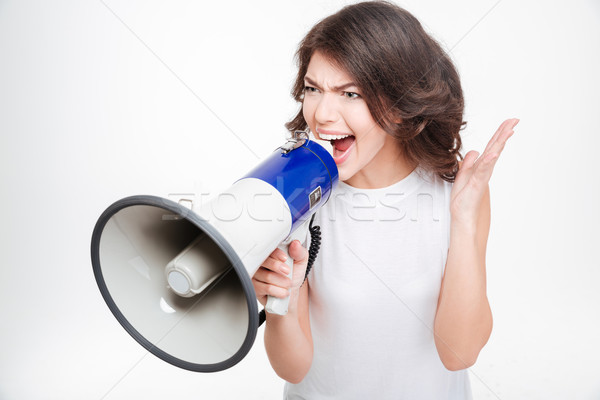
<point>373,295</point>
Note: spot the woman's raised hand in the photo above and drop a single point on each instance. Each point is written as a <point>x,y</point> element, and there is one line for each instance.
<point>471,182</point>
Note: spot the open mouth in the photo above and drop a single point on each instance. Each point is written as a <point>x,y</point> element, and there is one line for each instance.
<point>342,146</point>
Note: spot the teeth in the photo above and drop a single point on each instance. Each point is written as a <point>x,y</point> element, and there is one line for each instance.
<point>331,137</point>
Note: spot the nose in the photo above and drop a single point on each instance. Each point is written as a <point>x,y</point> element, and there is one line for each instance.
<point>326,111</point>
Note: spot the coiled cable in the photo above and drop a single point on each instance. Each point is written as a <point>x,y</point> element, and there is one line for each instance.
<point>315,244</point>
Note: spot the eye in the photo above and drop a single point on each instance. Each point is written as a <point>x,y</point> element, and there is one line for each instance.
<point>351,95</point>
<point>310,89</point>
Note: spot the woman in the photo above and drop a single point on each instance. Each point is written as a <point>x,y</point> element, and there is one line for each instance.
<point>396,304</point>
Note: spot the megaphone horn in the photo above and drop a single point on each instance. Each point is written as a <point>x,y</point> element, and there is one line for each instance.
<point>180,282</point>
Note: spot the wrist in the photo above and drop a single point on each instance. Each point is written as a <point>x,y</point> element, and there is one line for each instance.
<point>461,223</point>
<point>463,229</point>
<point>464,218</point>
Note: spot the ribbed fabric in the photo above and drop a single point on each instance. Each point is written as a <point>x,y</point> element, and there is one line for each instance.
<point>373,295</point>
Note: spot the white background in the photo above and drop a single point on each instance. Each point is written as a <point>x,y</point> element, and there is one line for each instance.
<point>99,101</point>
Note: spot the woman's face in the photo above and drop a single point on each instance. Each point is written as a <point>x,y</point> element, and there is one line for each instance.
<point>334,110</point>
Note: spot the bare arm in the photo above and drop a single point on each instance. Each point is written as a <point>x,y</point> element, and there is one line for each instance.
<point>288,340</point>
<point>463,321</point>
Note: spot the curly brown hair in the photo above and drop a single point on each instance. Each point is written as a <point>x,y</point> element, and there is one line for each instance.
<point>408,81</point>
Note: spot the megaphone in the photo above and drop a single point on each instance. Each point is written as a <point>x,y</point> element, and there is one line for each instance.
<point>180,281</point>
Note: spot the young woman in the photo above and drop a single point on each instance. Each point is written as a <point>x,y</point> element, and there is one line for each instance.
<point>396,305</point>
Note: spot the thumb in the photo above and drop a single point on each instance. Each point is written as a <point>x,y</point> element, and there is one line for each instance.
<point>470,159</point>
<point>300,256</point>
<point>298,252</point>
<point>467,164</point>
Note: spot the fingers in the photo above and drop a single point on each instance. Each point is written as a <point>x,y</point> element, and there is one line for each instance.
<point>485,164</point>
<point>488,160</point>
<point>504,128</point>
<point>263,290</point>
<point>505,131</point>
<point>500,129</point>
<point>295,250</point>
<point>269,283</point>
<point>477,169</point>
<point>485,167</point>
<point>271,278</point>
<point>276,263</point>
<point>279,254</point>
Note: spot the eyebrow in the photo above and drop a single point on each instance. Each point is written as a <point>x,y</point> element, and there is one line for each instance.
<point>335,88</point>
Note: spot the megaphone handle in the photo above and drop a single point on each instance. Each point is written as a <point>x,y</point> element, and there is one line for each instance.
<point>276,305</point>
